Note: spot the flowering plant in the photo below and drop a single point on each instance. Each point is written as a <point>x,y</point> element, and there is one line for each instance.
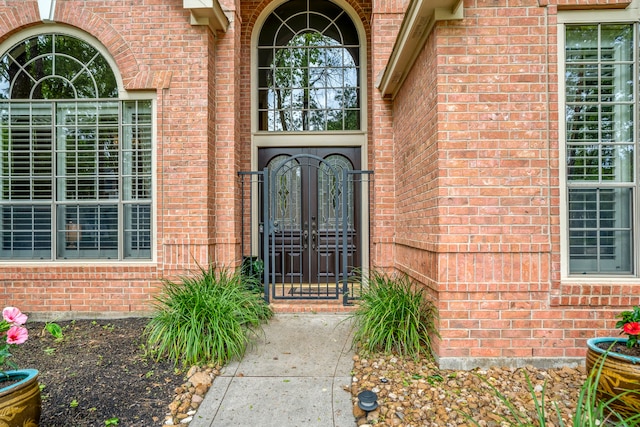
<point>12,333</point>
<point>630,325</point>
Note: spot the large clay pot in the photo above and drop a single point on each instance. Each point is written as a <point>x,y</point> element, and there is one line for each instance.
<point>619,374</point>
<point>20,400</point>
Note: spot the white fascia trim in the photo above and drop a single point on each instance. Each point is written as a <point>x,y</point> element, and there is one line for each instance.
<point>207,12</point>
<point>594,16</point>
<point>416,26</point>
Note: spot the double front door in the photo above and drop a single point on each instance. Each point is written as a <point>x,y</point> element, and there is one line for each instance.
<point>313,216</point>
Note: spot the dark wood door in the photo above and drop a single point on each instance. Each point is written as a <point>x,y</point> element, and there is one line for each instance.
<point>307,211</point>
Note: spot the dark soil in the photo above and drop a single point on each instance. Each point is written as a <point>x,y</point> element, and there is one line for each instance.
<point>620,349</point>
<point>98,374</point>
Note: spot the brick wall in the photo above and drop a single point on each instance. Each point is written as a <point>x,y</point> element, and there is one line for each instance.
<point>466,196</point>
<point>476,140</point>
<point>156,50</point>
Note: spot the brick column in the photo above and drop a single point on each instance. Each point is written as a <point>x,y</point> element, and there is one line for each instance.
<point>385,23</point>
<point>224,166</point>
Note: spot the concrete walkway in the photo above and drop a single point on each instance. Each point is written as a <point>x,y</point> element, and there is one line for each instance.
<point>293,376</point>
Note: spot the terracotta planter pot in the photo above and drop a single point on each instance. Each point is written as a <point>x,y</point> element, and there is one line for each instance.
<point>619,374</point>
<point>20,401</point>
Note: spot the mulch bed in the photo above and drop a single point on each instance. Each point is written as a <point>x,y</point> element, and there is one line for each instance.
<point>99,374</point>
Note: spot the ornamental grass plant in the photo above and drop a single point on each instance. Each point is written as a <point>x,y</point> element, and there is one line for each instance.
<point>395,315</point>
<point>205,318</point>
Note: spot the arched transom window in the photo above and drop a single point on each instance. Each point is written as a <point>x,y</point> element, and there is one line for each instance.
<point>75,161</point>
<point>308,56</point>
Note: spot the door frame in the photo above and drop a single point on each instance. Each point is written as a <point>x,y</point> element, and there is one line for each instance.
<point>308,256</point>
<point>349,139</point>
<point>355,140</point>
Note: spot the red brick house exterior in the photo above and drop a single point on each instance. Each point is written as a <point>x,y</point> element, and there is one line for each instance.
<point>462,125</point>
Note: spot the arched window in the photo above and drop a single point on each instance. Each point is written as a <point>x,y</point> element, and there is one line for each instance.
<point>309,68</point>
<point>75,161</point>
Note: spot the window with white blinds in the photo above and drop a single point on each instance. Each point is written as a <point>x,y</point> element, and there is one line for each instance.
<point>75,161</point>
<point>601,136</point>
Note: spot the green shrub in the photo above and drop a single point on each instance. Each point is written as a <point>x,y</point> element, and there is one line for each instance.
<point>395,315</point>
<point>207,318</point>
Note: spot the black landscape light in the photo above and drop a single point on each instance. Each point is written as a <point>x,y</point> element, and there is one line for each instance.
<point>367,400</point>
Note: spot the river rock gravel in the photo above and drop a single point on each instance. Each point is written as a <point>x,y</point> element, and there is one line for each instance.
<point>416,393</point>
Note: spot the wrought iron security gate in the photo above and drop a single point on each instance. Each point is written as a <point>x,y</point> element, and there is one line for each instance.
<point>305,222</point>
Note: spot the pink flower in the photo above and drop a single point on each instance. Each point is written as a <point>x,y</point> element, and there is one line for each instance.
<point>632,328</point>
<point>17,335</point>
<point>14,316</point>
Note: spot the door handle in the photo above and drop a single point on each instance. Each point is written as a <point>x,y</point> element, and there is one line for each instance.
<point>305,236</point>
<point>314,234</point>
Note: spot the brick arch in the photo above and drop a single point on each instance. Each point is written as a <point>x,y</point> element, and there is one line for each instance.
<point>249,14</point>
<point>249,22</point>
<point>69,13</point>
<point>134,75</point>
<point>17,19</point>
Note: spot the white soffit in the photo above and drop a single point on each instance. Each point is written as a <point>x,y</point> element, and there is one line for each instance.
<point>418,22</point>
<point>47,8</point>
<point>207,12</point>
